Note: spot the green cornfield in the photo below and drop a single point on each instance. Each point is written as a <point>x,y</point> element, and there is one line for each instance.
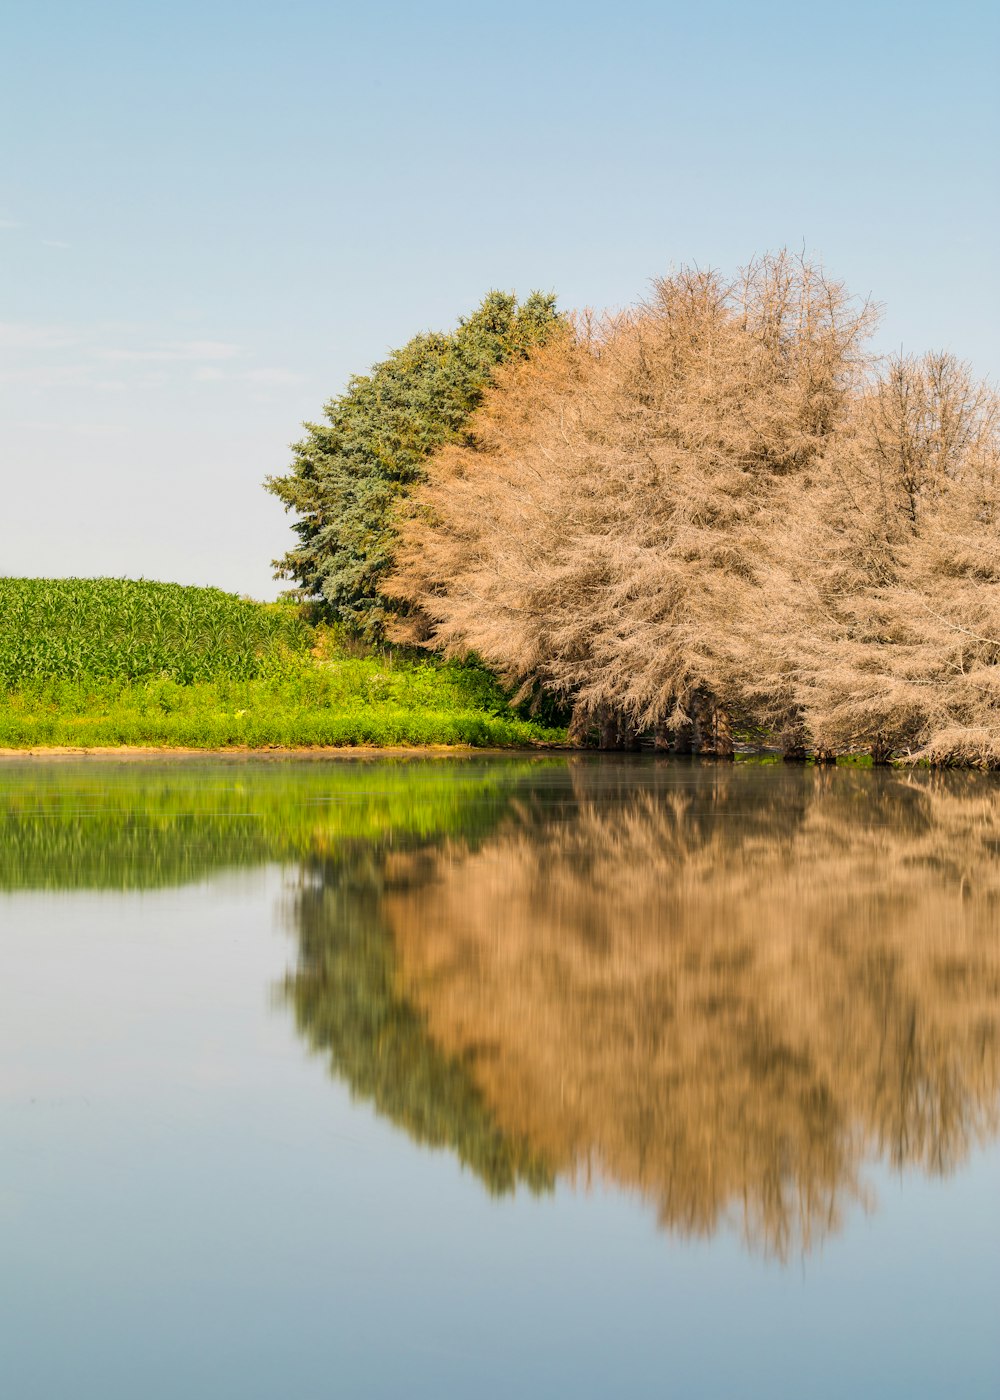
<point>98,663</point>
<point>92,629</point>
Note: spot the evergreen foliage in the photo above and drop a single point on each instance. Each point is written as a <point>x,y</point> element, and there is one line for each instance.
<point>349,472</point>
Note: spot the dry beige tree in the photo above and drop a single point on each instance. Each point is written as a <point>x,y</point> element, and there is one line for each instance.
<point>616,503</point>
<point>885,605</point>
<point>720,508</point>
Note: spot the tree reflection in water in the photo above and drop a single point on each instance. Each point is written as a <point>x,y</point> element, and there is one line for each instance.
<point>724,988</point>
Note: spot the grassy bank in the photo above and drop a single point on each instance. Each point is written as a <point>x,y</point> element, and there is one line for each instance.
<point>106,662</point>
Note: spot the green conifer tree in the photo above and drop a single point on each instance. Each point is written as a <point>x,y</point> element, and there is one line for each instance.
<point>349,473</point>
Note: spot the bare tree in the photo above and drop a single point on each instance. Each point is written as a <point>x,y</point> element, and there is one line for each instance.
<point>718,510</point>
<point>893,570</point>
<point>607,532</point>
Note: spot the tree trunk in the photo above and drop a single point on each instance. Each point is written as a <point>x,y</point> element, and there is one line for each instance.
<point>581,726</point>
<point>881,751</point>
<point>616,730</point>
<point>628,735</point>
<point>794,743</point>
<point>684,738</point>
<point>722,734</point>
<point>713,738</point>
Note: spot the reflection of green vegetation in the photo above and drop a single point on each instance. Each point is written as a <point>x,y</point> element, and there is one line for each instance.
<point>108,826</point>
<point>721,986</point>
<point>86,825</point>
<point>347,1004</point>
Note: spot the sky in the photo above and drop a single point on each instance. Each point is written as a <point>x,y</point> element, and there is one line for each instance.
<point>213,213</point>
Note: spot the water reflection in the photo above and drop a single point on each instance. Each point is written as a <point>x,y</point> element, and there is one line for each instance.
<point>726,989</point>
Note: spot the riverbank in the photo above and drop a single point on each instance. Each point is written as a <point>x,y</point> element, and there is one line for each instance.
<point>123,665</point>
<point>369,703</point>
<point>322,706</point>
<point>127,753</point>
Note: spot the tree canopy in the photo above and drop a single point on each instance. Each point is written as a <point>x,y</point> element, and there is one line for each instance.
<point>349,472</point>
<point>721,512</point>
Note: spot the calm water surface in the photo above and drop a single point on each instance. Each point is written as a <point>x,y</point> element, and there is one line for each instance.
<point>502,1077</point>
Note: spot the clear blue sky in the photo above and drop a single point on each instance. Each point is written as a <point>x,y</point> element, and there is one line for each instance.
<point>212,213</point>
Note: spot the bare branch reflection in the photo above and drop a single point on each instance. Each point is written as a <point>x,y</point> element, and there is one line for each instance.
<point>724,988</point>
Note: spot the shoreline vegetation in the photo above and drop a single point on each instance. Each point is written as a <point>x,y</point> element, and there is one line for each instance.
<point>374,752</point>
<point>277,752</point>
<point>122,669</point>
<point>125,665</point>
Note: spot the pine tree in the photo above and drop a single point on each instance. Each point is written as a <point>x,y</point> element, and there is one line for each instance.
<point>350,472</point>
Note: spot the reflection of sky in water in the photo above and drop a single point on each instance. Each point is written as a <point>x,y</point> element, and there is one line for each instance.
<point>190,1205</point>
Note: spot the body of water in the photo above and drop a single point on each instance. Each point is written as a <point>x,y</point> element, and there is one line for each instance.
<point>568,1076</point>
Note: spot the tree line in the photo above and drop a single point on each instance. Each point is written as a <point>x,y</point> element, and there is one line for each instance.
<point>715,515</point>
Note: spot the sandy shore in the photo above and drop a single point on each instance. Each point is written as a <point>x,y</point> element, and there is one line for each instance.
<point>126,752</point>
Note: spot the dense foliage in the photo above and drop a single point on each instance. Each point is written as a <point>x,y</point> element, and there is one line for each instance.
<point>109,662</point>
<point>720,512</point>
<point>349,472</point>
<point>87,629</point>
